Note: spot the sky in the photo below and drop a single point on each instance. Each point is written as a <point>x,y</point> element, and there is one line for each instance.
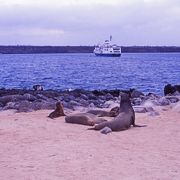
<point>88,22</point>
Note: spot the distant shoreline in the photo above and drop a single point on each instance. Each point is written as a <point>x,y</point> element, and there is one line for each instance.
<point>83,49</point>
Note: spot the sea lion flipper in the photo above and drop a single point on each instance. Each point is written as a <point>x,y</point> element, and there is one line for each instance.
<point>91,128</point>
<point>135,125</point>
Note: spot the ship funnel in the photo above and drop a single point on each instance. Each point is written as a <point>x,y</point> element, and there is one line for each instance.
<point>110,37</point>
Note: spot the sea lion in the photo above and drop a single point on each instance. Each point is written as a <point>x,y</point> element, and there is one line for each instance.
<point>84,119</point>
<point>101,113</point>
<point>38,87</point>
<point>169,89</point>
<point>114,111</point>
<point>124,120</point>
<point>59,111</point>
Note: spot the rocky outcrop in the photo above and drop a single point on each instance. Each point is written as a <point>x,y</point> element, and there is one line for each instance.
<point>29,100</point>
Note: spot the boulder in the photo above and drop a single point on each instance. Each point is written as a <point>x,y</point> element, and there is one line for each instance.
<point>11,98</point>
<point>136,101</point>
<point>163,101</point>
<point>139,109</point>
<point>135,93</point>
<point>172,99</point>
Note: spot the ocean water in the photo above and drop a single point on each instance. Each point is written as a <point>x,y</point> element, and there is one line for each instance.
<point>147,72</point>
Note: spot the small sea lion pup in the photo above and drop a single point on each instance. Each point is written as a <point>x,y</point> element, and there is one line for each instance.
<point>84,119</point>
<point>123,121</point>
<point>59,111</point>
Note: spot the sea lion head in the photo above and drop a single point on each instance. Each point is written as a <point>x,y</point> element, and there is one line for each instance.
<point>124,98</point>
<point>59,106</point>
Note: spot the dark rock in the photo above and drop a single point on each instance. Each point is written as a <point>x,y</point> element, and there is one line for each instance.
<point>103,98</point>
<point>95,102</point>
<point>42,97</point>
<point>1,105</point>
<point>42,105</point>
<point>176,93</point>
<point>74,103</point>
<point>169,89</point>
<point>23,106</point>
<point>68,105</point>
<point>49,93</point>
<point>172,99</point>
<point>10,105</point>
<point>136,101</point>
<point>108,97</point>
<point>91,105</point>
<point>68,98</point>
<point>98,93</point>
<point>91,96</point>
<point>84,103</point>
<point>29,97</point>
<point>11,98</point>
<point>164,102</point>
<point>135,94</point>
<point>83,96</point>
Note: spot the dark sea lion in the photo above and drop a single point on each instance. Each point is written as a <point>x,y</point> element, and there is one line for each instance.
<point>124,120</point>
<point>169,89</point>
<point>84,119</point>
<point>59,111</point>
<point>102,113</point>
<point>38,87</point>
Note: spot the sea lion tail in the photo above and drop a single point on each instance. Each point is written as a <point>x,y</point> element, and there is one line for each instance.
<point>135,125</point>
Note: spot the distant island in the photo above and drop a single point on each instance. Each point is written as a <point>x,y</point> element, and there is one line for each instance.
<point>83,49</point>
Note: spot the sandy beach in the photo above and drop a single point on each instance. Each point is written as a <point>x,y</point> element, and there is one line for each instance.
<point>36,147</point>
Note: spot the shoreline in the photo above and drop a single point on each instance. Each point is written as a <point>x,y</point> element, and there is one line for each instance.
<point>24,100</point>
<point>30,49</point>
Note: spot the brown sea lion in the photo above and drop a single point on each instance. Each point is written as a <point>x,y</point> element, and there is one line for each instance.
<point>99,113</point>
<point>84,119</point>
<point>102,113</point>
<point>59,111</point>
<point>124,120</point>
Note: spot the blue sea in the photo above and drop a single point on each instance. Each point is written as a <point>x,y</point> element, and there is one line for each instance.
<point>147,72</point>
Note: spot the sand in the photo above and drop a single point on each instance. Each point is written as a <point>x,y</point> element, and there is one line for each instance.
<point>34,147</point>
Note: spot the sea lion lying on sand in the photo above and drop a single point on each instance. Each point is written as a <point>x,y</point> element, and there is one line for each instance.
<point>101,113</point>
<point>84,119</point>
<point>59,111</point>
<point>124,120</point>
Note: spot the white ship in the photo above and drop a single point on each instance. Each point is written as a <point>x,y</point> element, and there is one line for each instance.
<point>107,49</point>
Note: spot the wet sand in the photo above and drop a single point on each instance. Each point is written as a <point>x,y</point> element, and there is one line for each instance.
<point>33,147</point>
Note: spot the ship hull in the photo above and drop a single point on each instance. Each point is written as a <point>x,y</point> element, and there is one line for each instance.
<point>108,55</point>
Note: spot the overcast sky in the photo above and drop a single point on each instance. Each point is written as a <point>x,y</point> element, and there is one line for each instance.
<point>87,22</point>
